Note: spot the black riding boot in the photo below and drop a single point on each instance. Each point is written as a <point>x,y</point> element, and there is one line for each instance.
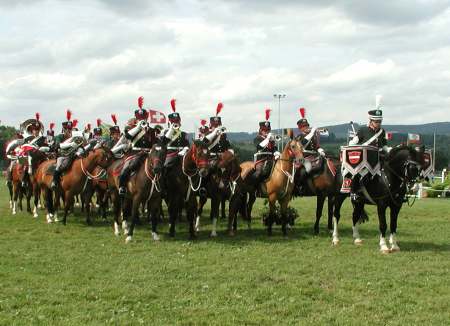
<point>123,178</point>
<point>56,179</point>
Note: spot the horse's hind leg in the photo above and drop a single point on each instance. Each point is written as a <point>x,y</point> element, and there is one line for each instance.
<point>68,204</point>
<point>48,196</point>
<point>395,210</point>
<point>331,199</point>
<point>154,213</point>
<point>201,203</point>
<point>215,206</point>
<point>36,194</point>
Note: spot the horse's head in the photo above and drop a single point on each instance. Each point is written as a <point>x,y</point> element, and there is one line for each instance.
<point>200,156</point>
<point>293,149</point>
<point>406,162</point>
<point>156,157</point>
<point>103,156</point>
<point>225,159</point>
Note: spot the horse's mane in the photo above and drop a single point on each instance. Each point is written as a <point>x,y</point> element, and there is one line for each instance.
<point>394,151</point>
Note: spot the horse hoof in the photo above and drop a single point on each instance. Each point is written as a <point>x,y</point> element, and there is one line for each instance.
<point>231,233</point>
<point>335,242</point>
<point>128,239</point>
<point>385,251</point>
<point>116,233</point>
<point>395,249</point>
<point>213,234</point>
<point>358,242</point>
<point>35,215</point>
<point>14,212</point>
<point>155,236</point>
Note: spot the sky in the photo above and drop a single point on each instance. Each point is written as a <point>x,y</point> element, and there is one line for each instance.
<point>96,57</point>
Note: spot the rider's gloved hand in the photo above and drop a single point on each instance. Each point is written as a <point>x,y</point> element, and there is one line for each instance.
<point>276,155</point>
<point>321,152</point>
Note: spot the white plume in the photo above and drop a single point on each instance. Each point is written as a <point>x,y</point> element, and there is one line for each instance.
<point>378,101</point>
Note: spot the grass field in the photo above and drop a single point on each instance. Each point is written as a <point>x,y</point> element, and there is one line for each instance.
<point>80,275</point>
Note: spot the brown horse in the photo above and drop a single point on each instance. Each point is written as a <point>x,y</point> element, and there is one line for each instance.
<point>219,188</point>
<point>73,182</point>
<point>278,187</point>
<point>142,187</point>
<point>98,185</point>
<point>183,181</point>
<point>324,182</point>
<point>18,190</point>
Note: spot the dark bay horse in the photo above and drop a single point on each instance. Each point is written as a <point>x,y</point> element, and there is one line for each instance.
<point>143,187</point>
<point>221,184</point>
<point>401,170</point>
<point>324,182</point>
<point>278,187</point>
<point>73,182</point>
<point>183,181</point>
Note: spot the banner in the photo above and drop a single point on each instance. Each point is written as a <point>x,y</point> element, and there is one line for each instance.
<point>413,139</point>
<point>156,117</point>
<point>389,135</point>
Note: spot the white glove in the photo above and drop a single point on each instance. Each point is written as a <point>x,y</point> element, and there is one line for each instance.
<point>354,141</point>
<point>79,152</point>
<point>183,151</point>
<point>44,149</point>
<point>134,131</point>
<point>321,152</point>
<point>386,149</point>
<point>276,155</point>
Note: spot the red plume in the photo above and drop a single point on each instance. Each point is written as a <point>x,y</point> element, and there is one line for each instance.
<point>302,112</point>
<point>88,126</point>
<point>268,114</point>
<point>114,119</point>
<point>219,108</point>
<point>52,125</point>
<point>172,104</point>
<point>99,122</point>
<point>74,123</point>
<point>141,102</point>
<point>68,115</point>
<point>37,116</point>
<point>203,122</point>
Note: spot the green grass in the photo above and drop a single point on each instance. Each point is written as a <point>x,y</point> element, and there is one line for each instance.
<point>80,275</point>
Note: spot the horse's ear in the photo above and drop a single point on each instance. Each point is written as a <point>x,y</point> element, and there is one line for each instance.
<point>290,133</point>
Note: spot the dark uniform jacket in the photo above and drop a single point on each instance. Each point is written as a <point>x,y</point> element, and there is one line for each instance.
<point>180,142</point>
<point>365,133</point>
<point>222,146</point>
<point>145,142</point>
<point>313,144</point>
<point>270,148</point>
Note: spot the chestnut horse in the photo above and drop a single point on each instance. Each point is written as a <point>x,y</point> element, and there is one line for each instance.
<point>142,187</point>
<point>18,189</point>
<point>278,187</point>
<point>183,181</point>
<point>73,182</point>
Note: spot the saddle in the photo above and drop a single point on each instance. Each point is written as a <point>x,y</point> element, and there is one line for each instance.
<point>316,164</point>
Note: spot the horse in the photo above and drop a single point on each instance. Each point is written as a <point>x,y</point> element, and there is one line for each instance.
<point>278,187</point>
<point>219,187</point>
<point>97,185</point>
<point>324,182</point>
<point>73,182</point>
<point>183,181</point>
<point>18,189</point>
<point>388,190</point>
<point>143,187</point>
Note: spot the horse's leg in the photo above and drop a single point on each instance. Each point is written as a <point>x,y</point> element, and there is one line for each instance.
<point>48,196</point>
<point>330,207</point>
<point>36,195</point>
<point>201,203</point>
<point>283,209</point>
<point>338,201</point>
<point>10,188</point>
<point>57,203</point>
<point>381,208</point>
<point>270,220</point>
<point>16,195</point>
<point>20,193</point>
<point>136,204</point>
<point>116,207</point>
<point>28,194</point>
<point>319,209</point>
<point>153,208</point>
<point>215,206</point>
<point>235,203</point>
<point>173,207</point>
<point>190,214</point>
<point>357,212</point>
<point>223,203</point>
<point>126,212</point>
<point>67,205</point>
<point>86,199</point>
<point>395,210</point>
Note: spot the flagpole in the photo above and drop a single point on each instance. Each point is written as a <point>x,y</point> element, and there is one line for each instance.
<point>434,151</point>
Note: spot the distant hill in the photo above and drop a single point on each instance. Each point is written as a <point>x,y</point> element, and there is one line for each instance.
<point>340,131</point>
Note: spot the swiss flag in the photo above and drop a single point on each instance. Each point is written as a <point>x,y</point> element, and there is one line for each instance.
<point>156,116</point>
<point>389,135</point>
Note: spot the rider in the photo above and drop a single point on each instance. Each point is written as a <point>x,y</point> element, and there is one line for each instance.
<point>310,139</point>
<point>218,144</point>
<point>178,143</point>
<point>203,130</point>
<point>98,132</point>
<point>34,138</point>
<point>69,145</point>
<point>266,150</point>
<point>12,155</point>
<point>51,137</point>
<point>114,133</point>
<point>137,140</point>
<point>87,133</point>
<point>371,134</point>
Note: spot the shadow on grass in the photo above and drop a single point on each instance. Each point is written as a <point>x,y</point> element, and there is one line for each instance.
<point>413,246</point>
